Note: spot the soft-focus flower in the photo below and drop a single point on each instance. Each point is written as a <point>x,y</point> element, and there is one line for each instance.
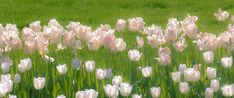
<point>164,56</point>
<point>226,62</point>
<point>35,26</point>
<point>176,76</point>
<point>155,92</point>
<point>190,74</point>
<point>214,84</point>
<point>90,93</point>
<point>221,15</point>
<point>61,96</point>
<point>189,26</point>
<point>90,65</point>
<point>48,58</point>
<point>140,42</point>
<point>207,41</point>
<point>80,94</point>
<point>17,78</point>
<point>5,66</point>
<point>228,90</point>
<point>184,87</point>
<point>29,47</point>
<point>208,56</point>
<point>111,91</point>
<point>211,72</point>
<point>62,69</point>
<point>125,89</point>
<point>209,93</point>
<point>180,45</point>
<point>136,96</point>
<point>120,25</point>
<point>75,62</point>
<point>117,80</point>
<point>134,55</point>
<point>108,73</point>
<point>39,83</point>
<point>135,24</point>
<point>182,67</point>
<point>24,65</point>
<point>12,96</point>
<point>100,73</point>
<point>156,40</point>
<point>146,71</point>
<point>172,30</point>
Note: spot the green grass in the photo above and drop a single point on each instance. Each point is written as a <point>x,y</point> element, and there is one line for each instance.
<point>96,12</point>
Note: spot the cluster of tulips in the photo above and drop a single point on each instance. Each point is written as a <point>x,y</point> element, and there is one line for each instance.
<point>76,36</point>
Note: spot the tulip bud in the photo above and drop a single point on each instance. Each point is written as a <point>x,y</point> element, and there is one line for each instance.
<point>35,26</point>
<point>17,78</point>
<point>117,80</point>
<point>62,69</point>
<point>190,74</point>
<point>146,71</point>
<point>214,85</point>
<point>134,55</point>
<point>176,76</point>
<point>90,66</point>
<point>209,93</point>
<point>111,91</point>
<point>24,65</point>
<point>125,89</point>
<point>211,72</point>
<point>100,73</point>
<point>228,90</point>
<point>80,94</point>
<point>164,56</point>
<point>39,82</point>
<point>155,92</point>
<point>227,62</point>
<point>5,66</point>
<point>120,25</point>
<point>136,96</point>
<point>208,56</point>
<point>91,93</point>
<point>61,96</point>
<point>184,87</point>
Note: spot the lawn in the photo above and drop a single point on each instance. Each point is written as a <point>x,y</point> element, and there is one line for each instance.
<point>96,12</point>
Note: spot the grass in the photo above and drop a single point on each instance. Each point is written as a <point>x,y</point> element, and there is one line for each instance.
<point>96,12</point>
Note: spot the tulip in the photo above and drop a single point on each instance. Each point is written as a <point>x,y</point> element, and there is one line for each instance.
<point>226,62</point>
<point>211,72</point>
<point>35,26</point>
<point>17,78</point>
<point>180,45</point>
<point>176,76</point>
<point>140,42</point>
<point>90,66</point>
<point>146,71</point>
<point>120,25</point>
<point>182,67</point>
<point>100,73</point>
<point>111,91</point>
<point>120,45</point>
<point>61,96</point>
<point>90,93</point>
<point>135,24</point>
<point>209,93</point>
<point>208,56</point>
<point>29,47</point>
<point>136,96</point>
<point>184,87</point>
<point>214,84</point>
<point>125,89</point>
<point>190,74</point>
<point>164,56</point>
<point>228,90</point>
<point>62,69</point>
<point>12,96</point>
<point>155,92</point>
<point>6,82</point>
<point>24,65</point>
<point>39,82</point>
<point>5,66</point>
<point>75,62</point>
<point>134,55</point>
<point>117,80</point>
<point>221,15</point>
<point>80,94</point>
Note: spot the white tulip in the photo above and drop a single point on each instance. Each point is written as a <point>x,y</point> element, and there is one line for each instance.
<point>227,62</point>
<point>35,26</point>
<point>211,72</point>
<point>184,87</point>
<point>125,89</point>
<point>176,76</point>
<point>208,56</point>
<point>155,92</point>
<point>134,55</point>
<point>17,78</point>
<point>182,67</point>
<point>90,66</point>
<point>12,96</point>
<point>209,93</point>
<point>190,74</point>
<point>61,96</point>
<point>91,93</point>
<point>214,84</point>
<point>120,25</point>
<point>5,66</point>
<point>111,91</point>
<point>136,96</point>
<point>62,69</point>
<point>6,82</point>
<point>140,42</point>
<point>117,80</point>
<point>100,73</point>
<point>228,90</point>
<point>39,82</point>
<point>24,65</point>
<point>80,94</point>
<point>146,71</point>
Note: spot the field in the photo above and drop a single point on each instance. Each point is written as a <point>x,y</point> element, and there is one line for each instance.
<point>96,12</point>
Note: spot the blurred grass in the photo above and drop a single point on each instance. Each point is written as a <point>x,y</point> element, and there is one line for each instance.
<point>96,12</point>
